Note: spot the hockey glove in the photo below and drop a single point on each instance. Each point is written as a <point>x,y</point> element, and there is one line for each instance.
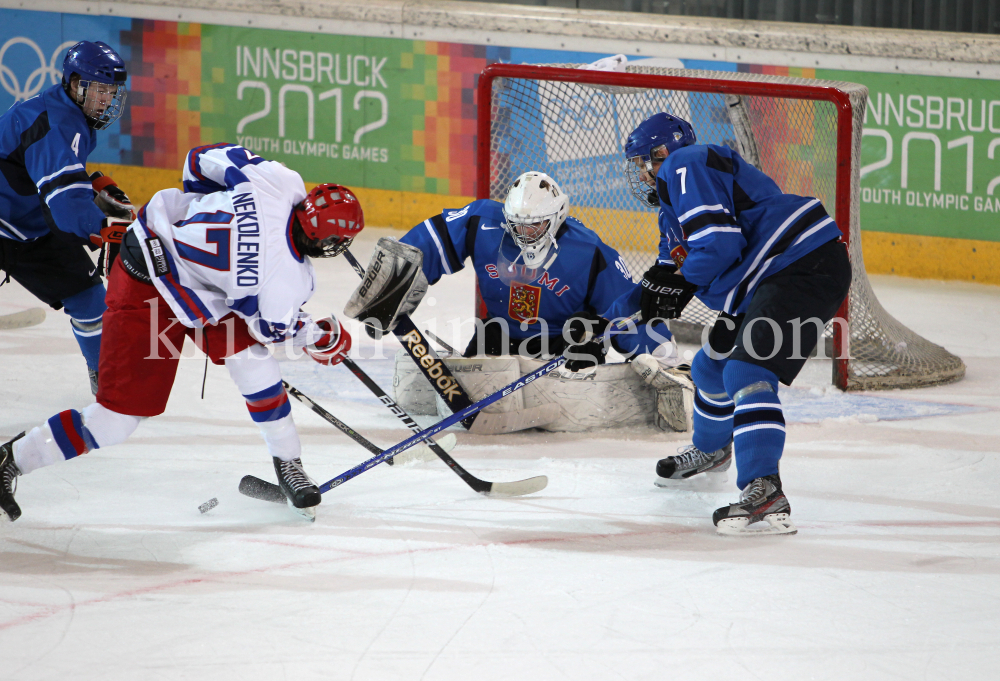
<point>334,346</point>
<point>665,293</point>
<point>583,349</point>
<point>112,231</point>
<point>110,198</point>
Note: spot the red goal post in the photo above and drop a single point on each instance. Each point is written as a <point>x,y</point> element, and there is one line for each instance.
<point>571,122</point>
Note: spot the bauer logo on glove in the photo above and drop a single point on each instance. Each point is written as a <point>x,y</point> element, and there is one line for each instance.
<point>393,286</point>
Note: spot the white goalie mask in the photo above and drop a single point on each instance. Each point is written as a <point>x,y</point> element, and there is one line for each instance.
<point>533,212</point>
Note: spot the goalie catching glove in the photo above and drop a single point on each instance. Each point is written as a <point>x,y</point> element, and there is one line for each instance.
<point>393,286</point>
<point>333,347</point>
<point>665,293</point>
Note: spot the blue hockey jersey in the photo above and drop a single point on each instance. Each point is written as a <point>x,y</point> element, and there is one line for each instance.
<point>44,185</point>
<point>587,276</point>
<point>727,225</point>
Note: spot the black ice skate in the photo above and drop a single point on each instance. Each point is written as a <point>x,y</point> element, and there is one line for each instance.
<point>691,461</point>
<point>302,493</point>
<point>8,480</point>
<point>93,381</point>
<point>761,500</point>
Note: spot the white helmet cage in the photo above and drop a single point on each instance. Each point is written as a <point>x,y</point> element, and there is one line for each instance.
<point>534,200</point>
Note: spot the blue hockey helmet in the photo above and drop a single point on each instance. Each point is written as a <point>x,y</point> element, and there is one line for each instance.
<point>650,142</point>
<point>101,91</point>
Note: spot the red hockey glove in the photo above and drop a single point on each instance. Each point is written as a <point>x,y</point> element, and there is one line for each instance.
<point>334,346</point>
<point>110,198</point>
<point>112,231</point>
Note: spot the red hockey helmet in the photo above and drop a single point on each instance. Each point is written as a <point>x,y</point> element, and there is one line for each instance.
<point>330,217</point>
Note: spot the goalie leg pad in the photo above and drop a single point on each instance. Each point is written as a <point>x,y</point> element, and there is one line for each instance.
<point>394,284</point>
<point>674,393</point>
<point>606,396</point>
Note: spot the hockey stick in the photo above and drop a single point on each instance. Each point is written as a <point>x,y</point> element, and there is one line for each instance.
<point>253,486</point>
<point>261,489</point>
<point>22,319</point>
<point>445,384</point>
<point>506,489</point>
<point>447,348</point>
<point>444,423</point>
<point>461,414</point>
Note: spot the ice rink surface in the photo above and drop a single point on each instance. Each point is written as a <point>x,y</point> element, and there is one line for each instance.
<point>112,572</point>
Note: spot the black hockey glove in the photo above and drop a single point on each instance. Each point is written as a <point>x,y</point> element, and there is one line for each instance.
<point>665,293</point>
<point>583,349</point>
<point>110,198</point>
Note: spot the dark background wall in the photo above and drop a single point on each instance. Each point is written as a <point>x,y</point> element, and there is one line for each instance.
<point>968,16</point>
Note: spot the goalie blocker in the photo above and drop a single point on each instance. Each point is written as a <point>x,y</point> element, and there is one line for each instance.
<point>393,286</point>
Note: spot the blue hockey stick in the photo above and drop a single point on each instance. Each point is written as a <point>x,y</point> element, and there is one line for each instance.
<point>456,417</point>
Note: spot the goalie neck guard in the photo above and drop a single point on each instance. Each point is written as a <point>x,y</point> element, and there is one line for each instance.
<point>329,218</point>
<point>533,211</point>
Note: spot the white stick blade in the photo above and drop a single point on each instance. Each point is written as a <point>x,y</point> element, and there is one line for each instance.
<point>518,488</point>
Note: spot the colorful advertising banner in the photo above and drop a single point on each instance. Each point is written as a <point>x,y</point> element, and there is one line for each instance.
<point>930,160</point>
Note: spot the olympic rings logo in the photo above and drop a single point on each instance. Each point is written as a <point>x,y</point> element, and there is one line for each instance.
<point>36,79</point>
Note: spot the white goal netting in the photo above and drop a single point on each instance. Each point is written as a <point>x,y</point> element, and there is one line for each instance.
<point>571,123</point>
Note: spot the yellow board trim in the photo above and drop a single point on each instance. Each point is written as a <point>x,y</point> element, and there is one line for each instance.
<point>922,257</point>
<point>931,257</point>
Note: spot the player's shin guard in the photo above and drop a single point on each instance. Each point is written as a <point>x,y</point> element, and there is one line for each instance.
<point>257,375</point>
<point>86,310</point>
<point>758,424</point>
<point>713,410</point>
<point>71,433</point>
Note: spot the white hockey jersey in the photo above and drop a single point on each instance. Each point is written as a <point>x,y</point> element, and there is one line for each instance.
<point>224,245</point>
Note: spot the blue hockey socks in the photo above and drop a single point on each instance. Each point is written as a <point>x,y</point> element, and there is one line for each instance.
<point>85,310</point>
<point>758,423</point>
<point>713,410</point>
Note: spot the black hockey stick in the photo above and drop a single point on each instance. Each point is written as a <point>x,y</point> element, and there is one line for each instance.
<point>261,489</point>
<point>252,486</point>
<point>445,384</point>
<point>506,489</point>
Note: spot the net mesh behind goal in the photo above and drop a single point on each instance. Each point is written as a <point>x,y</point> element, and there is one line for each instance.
<point>571,123</point>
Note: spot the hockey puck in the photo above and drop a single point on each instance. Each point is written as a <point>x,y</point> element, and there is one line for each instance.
<point>209,505</point>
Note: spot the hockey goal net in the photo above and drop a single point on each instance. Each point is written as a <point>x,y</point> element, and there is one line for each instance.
<point>571,122</point>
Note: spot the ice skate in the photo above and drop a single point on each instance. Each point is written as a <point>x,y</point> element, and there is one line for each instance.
<point>93,381</point>
<point>762,500</point>
<point>8,480</point>
<point>674,392</point>
<point>691,461</point>
<point>302,493</point>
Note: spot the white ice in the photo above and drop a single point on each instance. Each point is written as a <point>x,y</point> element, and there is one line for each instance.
<point>112,572</point>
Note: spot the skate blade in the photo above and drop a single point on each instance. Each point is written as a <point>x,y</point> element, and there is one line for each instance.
<point>712,480</point>
<point>307,513</point>
<point>777,523</point>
